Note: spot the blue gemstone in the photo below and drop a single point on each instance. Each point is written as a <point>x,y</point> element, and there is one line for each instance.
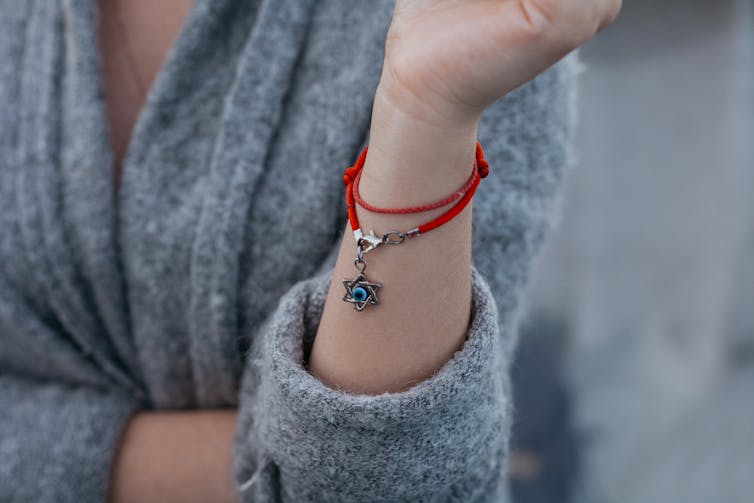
<point>360,294</point>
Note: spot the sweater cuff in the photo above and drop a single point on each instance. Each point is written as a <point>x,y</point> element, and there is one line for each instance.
<point>446,436</point>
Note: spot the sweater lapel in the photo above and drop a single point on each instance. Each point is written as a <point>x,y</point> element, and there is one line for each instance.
<point>196,154</point>
<point>64,189</point>
<point>250,118</point>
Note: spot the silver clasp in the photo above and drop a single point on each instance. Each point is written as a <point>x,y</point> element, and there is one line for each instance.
<point>367,242</point>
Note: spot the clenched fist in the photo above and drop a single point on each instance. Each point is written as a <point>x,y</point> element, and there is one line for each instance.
<point>447,60</point>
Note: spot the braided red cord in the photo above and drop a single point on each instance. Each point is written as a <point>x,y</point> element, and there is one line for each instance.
<point>412,209</point>
<point>352,176</point>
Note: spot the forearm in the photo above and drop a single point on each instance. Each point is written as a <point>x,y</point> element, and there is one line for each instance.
<point>424,308</point>
<point>176,456</point>
<point>449,60</point>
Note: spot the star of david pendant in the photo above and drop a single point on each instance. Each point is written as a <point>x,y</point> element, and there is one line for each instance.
<point>361,292</point>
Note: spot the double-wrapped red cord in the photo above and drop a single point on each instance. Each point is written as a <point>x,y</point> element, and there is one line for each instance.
<point>360,291</point>
<point>465,193</point>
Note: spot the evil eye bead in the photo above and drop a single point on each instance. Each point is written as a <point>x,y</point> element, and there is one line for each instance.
<point>360,294</point>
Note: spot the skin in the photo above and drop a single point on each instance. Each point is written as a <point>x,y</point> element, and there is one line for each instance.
<point>445,62</point>
<point>135,38</point>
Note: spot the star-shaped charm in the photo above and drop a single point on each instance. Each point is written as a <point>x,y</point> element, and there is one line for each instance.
<point>361,292</point>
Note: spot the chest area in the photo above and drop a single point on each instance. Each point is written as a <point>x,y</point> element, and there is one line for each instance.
<point>232,189</point>
<point>134,39</point>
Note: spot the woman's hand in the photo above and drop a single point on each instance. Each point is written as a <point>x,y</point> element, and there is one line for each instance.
<point>447,60</point>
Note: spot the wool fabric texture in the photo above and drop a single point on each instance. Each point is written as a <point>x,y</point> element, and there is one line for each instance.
<point>199,280</point>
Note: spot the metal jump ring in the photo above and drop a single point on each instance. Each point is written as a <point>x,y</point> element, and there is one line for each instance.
<point>361,261</point>
<point>387,240</point>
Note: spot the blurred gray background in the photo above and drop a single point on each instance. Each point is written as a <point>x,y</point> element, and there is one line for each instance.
<point>638,352</point>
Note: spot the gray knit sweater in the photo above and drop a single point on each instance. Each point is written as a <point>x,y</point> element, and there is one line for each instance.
<point>200,280</point>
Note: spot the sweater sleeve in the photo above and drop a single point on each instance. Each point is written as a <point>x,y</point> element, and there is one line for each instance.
<point>60,414</point>
<point>57,441</point>
<point>303,441</point>
<point>445,439</point>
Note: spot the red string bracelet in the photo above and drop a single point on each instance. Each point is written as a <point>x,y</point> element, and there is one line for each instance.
<point>360,291</point>
<point>413,209</point>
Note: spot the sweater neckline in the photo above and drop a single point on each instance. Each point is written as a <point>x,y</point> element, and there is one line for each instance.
<point>148,88</point>
<point>195,21</point>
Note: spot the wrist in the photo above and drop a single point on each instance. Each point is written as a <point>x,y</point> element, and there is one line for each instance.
<point>421,109</point>
<point>411,161</point>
